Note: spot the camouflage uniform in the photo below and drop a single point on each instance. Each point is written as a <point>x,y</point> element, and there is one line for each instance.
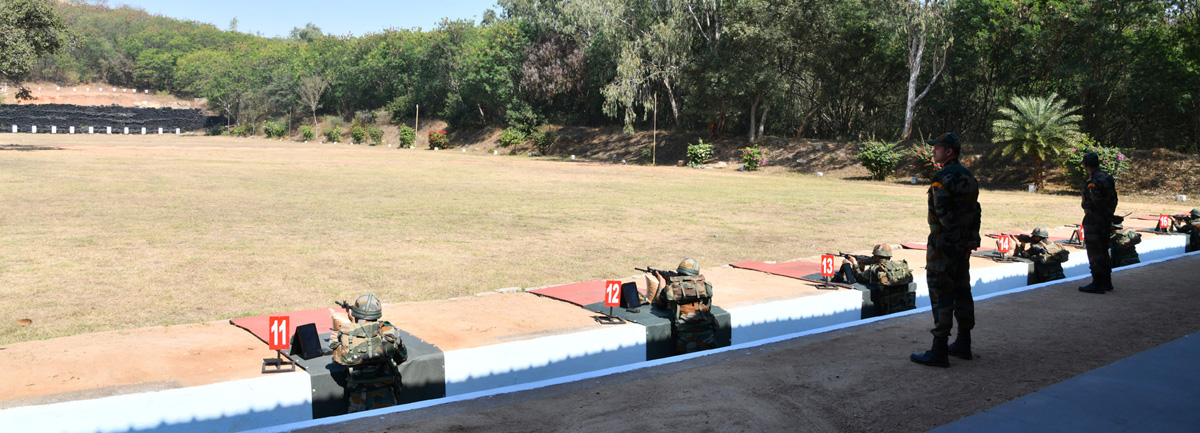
<point>888,281</point>
<point>954,215</point>
<point>372,351</point>
<point>1192,227</point>
<point>1045,265</point>
<point>1099,207</point>
<point>1122,247</point>
<point>689,297</point>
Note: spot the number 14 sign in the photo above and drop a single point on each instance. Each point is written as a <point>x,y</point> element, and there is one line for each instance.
<point>278,333</point>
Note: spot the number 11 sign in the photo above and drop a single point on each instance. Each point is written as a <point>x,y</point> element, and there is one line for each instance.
<point>278,333</point>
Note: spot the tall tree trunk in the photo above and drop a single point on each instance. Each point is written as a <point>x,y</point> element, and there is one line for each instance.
<point>916,50</point>
<point>674,105</point>
<point>762,122</point>
<point>753,115</point>
<point>803,123</point>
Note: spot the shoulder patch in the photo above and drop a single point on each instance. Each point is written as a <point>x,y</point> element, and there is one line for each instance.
<point>937,185</point>
<point>1091,185</point>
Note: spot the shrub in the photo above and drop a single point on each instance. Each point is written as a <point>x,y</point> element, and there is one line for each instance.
<point>880,158</point>
<point>648,153</point>
<point>752,157</point>
<point>359,134</point>
<point>274,129</point>
<point>1112,161</point>
<point>543,140</point>
<point>922,156</point>
<point>216,130</point>
<point>244,130</point>
<point>400,109</point>
<point>306,132</point>
<point>437,139</point>
<point>334,134</point>
<point>407,136</point>
<point>376,134</point>
<point>699,152</point>
<point>364,117</point>
<point>511,136</point>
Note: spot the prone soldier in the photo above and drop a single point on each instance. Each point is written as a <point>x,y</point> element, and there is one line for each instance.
<point>1189,224</point>
<point>1047,256</point>
<point>688,297</point>
<point>1122,245</point>
<point>880,270</point>
<point>372,351</point>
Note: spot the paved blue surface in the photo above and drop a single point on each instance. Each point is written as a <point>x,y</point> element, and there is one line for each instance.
<point>1154,391</point>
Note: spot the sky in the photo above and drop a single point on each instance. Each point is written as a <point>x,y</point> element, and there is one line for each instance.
<point>277,17</point>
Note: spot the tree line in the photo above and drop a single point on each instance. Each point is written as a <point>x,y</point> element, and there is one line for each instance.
<point>829,69</point>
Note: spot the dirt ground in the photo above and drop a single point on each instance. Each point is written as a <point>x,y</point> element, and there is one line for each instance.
<point>856,379</point>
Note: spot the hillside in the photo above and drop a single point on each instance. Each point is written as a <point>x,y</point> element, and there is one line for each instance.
<point>92,94</point>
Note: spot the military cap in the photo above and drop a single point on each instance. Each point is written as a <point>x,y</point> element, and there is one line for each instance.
<point>688,267</point>
<point>949,139</point>
<point>882,250</point>
<point>367,307</point>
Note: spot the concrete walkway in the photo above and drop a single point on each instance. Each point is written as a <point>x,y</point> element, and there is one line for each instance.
<point>1153,391</point>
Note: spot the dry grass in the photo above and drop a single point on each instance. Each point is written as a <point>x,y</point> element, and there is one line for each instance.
<point>112,232</point>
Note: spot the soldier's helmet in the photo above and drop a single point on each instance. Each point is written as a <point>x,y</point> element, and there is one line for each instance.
<point>1091,159</point>
<point>882,250</point>
<point>367,307</point>
<point>688,267</point>
<point>1118,226</point>
<point>1040,231</point>
<point>1196,212</point>
<point>948,139</point>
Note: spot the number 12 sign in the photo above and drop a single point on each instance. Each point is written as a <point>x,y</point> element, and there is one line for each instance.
<point>612,293</point>
<point>278,333</point>
<point>827,265</point>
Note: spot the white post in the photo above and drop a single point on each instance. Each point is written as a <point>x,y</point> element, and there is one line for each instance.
<point>14,129</point>
<point>416,125</point>
<point>160,130</point>
<point>53,129</point>
<point>176,131</point>
<point>108,130</point>
<point>126,130</point>
<point>33,129</point>
<point>143,130</point>
<point>71,130</point>
<point>91,130</point>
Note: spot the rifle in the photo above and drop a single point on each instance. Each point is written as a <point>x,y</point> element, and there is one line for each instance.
<point>1023,238</point>
<point>862,259</point>
<point>652,271</point>
<point>1182,218</point>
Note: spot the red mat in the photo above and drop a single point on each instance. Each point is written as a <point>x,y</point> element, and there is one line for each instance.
<point>257,325</point>
<point>581,294</point>
<point>924,246</point>
<point>997,235</point>
<point>796,269</point>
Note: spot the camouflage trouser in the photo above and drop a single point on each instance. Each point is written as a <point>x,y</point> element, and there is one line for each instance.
<point>370,397</point>
<point>695,330</point>
<point>949,278</point>
<point>1124,258</point>
<point>1048,272</point>
<point>1095,238</point>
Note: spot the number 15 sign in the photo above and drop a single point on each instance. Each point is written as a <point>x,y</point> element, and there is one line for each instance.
<point>278,333</point>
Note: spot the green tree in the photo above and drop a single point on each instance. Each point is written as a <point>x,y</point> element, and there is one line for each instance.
<point>1038,128</point>
<point>30,29</point>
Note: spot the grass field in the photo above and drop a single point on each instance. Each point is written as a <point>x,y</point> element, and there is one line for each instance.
<point>118,232</point>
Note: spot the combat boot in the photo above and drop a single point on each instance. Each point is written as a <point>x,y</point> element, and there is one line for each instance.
<point>1092,288</point>
<point>961,347</point>
<point>936,356</point>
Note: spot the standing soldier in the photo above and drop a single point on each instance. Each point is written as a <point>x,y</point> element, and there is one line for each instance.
<point>954,214</point>
<point>1099,213</point>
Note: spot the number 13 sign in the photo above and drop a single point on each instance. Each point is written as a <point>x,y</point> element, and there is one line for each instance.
<point>827,265</point>
<point>612,293</point>
<point>278,333</point>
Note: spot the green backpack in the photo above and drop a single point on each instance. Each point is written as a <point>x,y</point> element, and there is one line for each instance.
<point>364,344</point>
<point>893,273</point>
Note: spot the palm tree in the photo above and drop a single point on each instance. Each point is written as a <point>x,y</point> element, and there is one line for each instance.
<point>1036,127</point>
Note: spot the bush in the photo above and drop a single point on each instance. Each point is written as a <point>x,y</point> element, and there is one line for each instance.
<point>334,134</point>
<point>543,140</point>
<point>244,130</point>
<point>364,117</point>
<point>699,152</point>
<point>880,158</point>
<point>376,134</point>
<point>511,136</point>
<point>306,132</point>
<point>437,139</point>
<point>407,136</point>
<point>752,157</point>
<point>922,156</point>
<point>274,130</point>
<point>216,130</point>
<point>359,134</point>
<point>400,109</point>
<point>1112,161</point>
